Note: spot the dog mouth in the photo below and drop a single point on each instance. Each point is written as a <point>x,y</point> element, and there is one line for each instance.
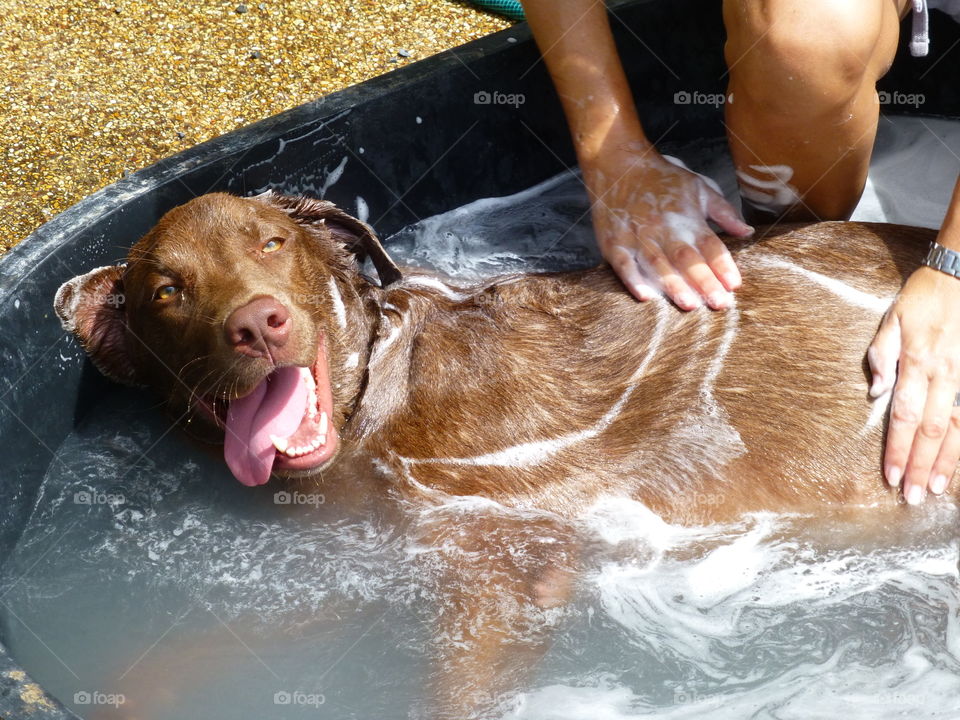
<point>282,425</point>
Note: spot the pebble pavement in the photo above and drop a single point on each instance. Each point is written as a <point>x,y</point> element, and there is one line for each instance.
<point>92,90</point>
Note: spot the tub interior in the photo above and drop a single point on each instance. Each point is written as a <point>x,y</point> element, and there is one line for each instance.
<point>142,556</point>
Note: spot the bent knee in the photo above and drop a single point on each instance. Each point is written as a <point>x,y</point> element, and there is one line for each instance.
<point>807,53</point>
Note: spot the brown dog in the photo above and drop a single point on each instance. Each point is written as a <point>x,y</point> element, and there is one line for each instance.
<point>533,390</point>
<point>541,390</point>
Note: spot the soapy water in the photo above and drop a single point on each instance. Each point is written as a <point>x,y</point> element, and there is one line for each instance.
<point>147,577</point>
<point>912,175</point>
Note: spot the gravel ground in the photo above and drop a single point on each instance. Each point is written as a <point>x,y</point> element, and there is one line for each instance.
<point>92,90</point>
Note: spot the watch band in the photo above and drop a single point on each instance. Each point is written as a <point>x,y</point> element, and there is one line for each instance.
<point>943,259</point>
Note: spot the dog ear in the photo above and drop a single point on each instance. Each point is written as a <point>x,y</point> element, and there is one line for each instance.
<point>91,306</point>
<point>358,237</point>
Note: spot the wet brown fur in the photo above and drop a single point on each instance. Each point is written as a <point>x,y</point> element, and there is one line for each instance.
<point>543,355</point>
<point>527,358</point>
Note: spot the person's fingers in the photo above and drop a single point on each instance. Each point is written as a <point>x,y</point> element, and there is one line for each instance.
<point>698,274</point>
<point>624,264</point>
<point>673,248</point>
<point>906,411</point>
<point>726,216</point>
<point>948,457</point>
<point>720,260</point>
<point>930,436</point>
<point>883,354</point>
<point>654,263</point>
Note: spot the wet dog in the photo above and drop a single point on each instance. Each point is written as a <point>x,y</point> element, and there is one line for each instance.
<point>252,315</point>
<point>540,389</point>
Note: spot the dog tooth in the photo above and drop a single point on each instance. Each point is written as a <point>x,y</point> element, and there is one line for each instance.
<point>323,439</point>
<point>323,423</point>
<point>279,443</point>
<point>308,377</point>
<point>290,452</point>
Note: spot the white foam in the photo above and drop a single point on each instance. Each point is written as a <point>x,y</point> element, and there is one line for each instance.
<point>545,227</point>
<point>332,177</point>
<point>432,282</point>
<point>363,211</point>
<point>731,327</point>
<point>710,182</point>
<point>822,690</point>
<point>878,409</point>
<point>839,288</point>
<point>772,189</point>
<point>682,227</point>
<point>339,310</point>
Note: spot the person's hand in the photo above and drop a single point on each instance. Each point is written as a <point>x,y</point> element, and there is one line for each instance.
<point>921,333</point>
<point>650,216</point>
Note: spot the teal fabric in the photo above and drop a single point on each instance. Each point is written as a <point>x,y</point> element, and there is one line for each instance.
<point>510,8</point>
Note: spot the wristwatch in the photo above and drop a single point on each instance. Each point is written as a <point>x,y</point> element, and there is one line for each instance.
<point>943,259</point>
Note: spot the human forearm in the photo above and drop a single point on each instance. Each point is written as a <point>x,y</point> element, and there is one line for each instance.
<point>950,231</point>
<point>577,45</point>
<point>649,215</point>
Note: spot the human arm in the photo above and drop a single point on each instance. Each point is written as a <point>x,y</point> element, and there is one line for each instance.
<point>917,353</point>
<point>650,215</point>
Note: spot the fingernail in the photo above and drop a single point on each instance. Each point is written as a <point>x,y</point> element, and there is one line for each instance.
<point>938,484</point>
<point>914,495</point>
<point>732,280</point>
<point>643,292</point>
<point>718,300</point>
<point>893,476</point>
<point>876,387</point>
<point>688,301</point>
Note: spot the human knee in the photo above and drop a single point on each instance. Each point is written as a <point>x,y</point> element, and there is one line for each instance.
<point>802,55</point>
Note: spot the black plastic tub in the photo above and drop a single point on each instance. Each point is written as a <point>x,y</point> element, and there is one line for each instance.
<point>418,141</point>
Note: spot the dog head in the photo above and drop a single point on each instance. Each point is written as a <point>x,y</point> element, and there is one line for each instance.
<point>246,312</point>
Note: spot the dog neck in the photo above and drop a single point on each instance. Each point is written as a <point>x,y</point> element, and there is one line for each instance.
<point>351,333</point>
<point>390,322</point>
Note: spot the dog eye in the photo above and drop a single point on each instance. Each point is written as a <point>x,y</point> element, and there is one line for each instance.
<point>166,292</point>
<point>272,245</point>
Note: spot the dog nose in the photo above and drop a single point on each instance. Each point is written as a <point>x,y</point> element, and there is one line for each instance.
<point>259,328</point>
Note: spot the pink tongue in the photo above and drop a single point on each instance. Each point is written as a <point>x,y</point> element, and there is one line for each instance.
<point>275,407</point>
